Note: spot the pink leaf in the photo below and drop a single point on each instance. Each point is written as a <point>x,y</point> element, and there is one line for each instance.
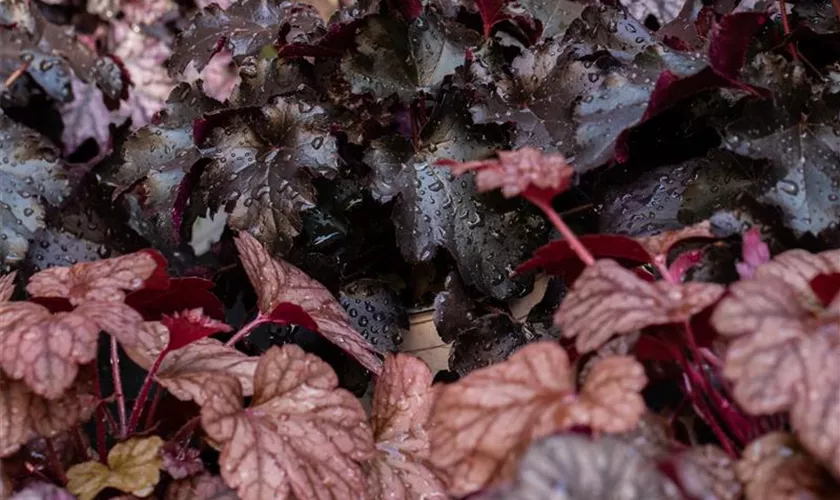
<point>754,253</point>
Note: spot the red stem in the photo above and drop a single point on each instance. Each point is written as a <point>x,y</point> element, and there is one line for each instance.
<point>100,417</point>
<point>186,430</point>
<point>118,388</point>
<point>137,410</point>
<point>55,463</point>
<point>80,442</point>
<point>569,235</point>
<point>150,417</point>
<point>245,330</point>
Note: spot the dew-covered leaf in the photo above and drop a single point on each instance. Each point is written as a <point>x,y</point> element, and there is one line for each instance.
<point>608,300</point>
<point>200,487</point>
<point>797,132</point>
<point>133,467</point>
<point>263,78</point>
<point>548,18</point>
<point>184,371</point>
<point>300,435</point>
<point>484,422</point>
<point>588,468</point>
<point>32,178</point>
<point>243,29</point>
<point>261,162</point>
<point>85,117</point>
<point>25,415</point>
<point>487,340</point>
<point>578,97</point>
<point>279,284</point>
<point>402,402</point>
<point>154,162</point>
<point>392,57</point>
<point>46,349</point>
<point>775,467</point>
<point>376,312</point>
<point>433,209</point>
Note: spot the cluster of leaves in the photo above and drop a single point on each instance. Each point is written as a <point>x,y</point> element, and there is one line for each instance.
<point>213,217</point>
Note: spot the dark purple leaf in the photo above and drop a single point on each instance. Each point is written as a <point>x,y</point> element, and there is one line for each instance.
<point>730,40</point>
<point>826,287</point>
<point>244,29</point>
<point>434,210</point>
<point>376,312</point>
<point>261,162</point>
<point>33,179</point>
<point>394,57</point>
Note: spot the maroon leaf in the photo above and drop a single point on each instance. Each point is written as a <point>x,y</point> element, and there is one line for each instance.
<point>826,287</point>
<point>183,293</point>
<point>730,40</point>
<point>286,294</point>
<point>189,326</point>
<point>557,257</point>
<point>181,461</point>
<point>754,253</point>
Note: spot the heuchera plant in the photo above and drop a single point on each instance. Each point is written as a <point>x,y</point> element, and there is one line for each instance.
<point>216,217</point>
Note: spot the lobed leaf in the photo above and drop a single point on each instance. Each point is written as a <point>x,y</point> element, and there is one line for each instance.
<point>483,423</point>
<point>133,467</point>
<point>300,437</point>
<point>608,300</point>
<point>24,415</point>
<point>402,402</point>
<point>200,487</point>
<point>279,284</point>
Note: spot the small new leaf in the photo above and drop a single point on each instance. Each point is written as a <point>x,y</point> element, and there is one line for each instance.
<point>301,437</point>
<point>133,467</point>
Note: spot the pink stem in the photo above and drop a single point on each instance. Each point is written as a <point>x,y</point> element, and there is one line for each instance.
<point>118,388</point>
<point>80,441</point>
<point>100,417</point>
<point>569,235</point>
<point>245,330</point>
<point>137,410</point>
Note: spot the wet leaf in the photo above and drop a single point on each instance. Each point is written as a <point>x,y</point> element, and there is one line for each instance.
<point>86,117</point>
<point>201,487</point>
<point>189,326</point>
<point>487,340</point>
<point>184,371</point>
<point>182,294</point>
<point>376,312</point>
<point>243,29</point>
<point>33,178</point>
<point>45,349</point>
<point>261,165</point>
<point>800,145</point>
<point>484,422</point>
<point>154,164</point>
<point>133,467</point>
<point>402,402</point>
<point>775,467</point>
<point>433,209</point>
<point>565,96</point>
<point>597,468</point>
<point>395,57</point>
<point>299,436</point>
<point>279,284</point>
<point>608,300</point>
<point>25,415</point>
